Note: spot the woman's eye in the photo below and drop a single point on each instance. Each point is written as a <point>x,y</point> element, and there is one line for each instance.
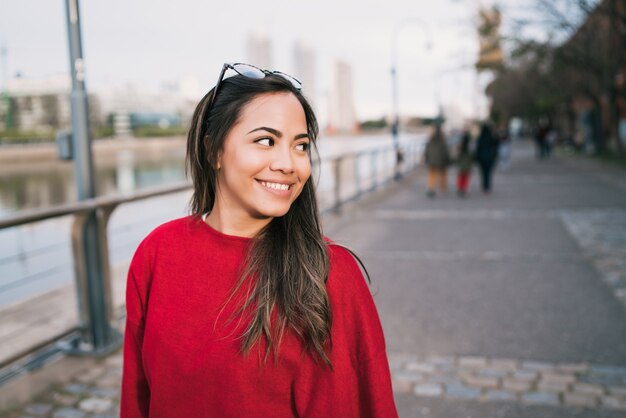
<point>268,142</point>
<point>302,147</point>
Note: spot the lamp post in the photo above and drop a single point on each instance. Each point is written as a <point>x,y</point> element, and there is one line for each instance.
<point>94,296</point>
<point>395,126</point>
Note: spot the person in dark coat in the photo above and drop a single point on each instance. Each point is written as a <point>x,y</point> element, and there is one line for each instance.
<point>486,155</point>
<point>437,159</point>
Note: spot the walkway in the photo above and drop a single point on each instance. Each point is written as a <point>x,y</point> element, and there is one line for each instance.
<point>507,305</point>
<point>511,304</point>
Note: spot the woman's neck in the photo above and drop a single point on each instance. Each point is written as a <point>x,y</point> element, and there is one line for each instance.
<point>235,222</point>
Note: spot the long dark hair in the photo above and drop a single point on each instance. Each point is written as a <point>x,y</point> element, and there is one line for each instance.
<point>287,264</point>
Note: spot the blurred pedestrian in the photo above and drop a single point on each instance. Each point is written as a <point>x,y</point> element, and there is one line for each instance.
<point>504,150</point>
<point>464,163</point>
<point>541,141</point>
<point>486,155</point>
<point>437,159</point>
<point>229,309</point>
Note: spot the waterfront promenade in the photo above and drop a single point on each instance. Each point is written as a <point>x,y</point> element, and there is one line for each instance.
<point>504,305</point>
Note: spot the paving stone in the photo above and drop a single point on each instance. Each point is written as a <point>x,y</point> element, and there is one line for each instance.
<point>69,413</point>
<point>428,389</point>
<point>557,378</point>
<point>109,382</point>
<point>553,387</point>
<point>105,392</point>
<point>577,399</point>
<point>95,404</point>
<point>409,376</point>
<point>38,409</point>
<point>401,386</point>
<point>540,398</point>
<point>441,361</point>
<point>473,362</point>
<point>573,367</point>
<point>609,370</point>
<point>458,391</point>
<point>516,385</point>
<point>613,402</point>
<point>507,365</point>
<point>421,367</point>
<point>492,372</point>
<point>526,375</point>
<point>64,399</point>
<point>76,388</point>
<point>499,395</point>
<point>588,389</point>
<point>483,382</point>
<point>536,365</point>
<point>617,391</point>
<point>445,380</point>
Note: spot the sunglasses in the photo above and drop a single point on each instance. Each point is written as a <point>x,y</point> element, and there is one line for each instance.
<point>249,71</point>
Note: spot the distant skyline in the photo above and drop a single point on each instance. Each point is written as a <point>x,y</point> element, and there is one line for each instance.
<point>156,42</point>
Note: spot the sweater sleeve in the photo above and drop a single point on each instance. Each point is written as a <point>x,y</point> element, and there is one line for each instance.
<point>135,395</point>
<point>369,355</point>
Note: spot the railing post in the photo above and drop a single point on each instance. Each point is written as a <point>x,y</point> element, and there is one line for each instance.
<point>337,191</point>
<point>374,170</point>
<point>357,177</point>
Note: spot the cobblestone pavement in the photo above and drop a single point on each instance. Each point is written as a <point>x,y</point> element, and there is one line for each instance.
<point>95,394</point>
<point>506,380</point>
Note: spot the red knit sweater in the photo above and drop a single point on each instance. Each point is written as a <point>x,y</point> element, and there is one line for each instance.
<point>182,355</point>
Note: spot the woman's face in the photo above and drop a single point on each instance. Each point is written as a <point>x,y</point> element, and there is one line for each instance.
<point>264,163</point>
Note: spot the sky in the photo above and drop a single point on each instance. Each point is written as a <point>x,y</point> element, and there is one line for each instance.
<point>152,42</point>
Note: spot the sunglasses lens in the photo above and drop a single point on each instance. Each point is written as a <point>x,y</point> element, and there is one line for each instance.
<point>297,84</point>
<point>248,71</point>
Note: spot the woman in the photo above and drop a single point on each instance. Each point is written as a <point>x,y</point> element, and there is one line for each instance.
<point>437,159</point>
<point>243,308</point>
<point>486,156</point>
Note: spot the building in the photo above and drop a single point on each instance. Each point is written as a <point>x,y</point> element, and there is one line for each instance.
<point>304,70</point>
<point>342,117</point>
<point>259,50</point>
<point>42,104</point>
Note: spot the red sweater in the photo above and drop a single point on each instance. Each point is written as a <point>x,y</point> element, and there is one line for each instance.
<point>182,356</point>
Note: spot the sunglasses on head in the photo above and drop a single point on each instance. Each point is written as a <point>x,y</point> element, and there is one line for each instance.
<point>249,71</point>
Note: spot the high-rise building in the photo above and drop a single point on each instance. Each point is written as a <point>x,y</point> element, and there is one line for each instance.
<point>342,117</point>
<point>304,70</point>
<point>259,50</point>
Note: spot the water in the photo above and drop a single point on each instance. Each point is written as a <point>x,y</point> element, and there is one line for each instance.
<point>37,257</point>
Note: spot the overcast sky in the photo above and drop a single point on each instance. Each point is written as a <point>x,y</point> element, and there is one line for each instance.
<point>155,42</point>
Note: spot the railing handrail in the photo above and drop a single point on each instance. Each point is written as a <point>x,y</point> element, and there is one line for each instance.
<point>34,215</point>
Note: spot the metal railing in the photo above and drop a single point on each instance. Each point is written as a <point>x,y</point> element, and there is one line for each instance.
<point>349,177</point>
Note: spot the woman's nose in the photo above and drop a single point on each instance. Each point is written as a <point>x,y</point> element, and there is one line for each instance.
<point>282,160</point>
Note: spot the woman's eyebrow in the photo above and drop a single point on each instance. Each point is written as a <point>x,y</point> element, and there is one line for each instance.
<point>277,132</point>
<point>270,130</point>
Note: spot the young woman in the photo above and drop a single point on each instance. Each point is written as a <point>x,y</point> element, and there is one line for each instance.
<point>244,308</point>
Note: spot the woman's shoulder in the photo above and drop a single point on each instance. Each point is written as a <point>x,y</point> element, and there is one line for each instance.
<point>172,229</point>
<point>345,270</point>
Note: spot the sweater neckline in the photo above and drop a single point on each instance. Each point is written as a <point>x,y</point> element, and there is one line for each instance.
<point>221,235</point>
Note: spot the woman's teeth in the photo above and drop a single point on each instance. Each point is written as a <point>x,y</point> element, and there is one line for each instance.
<point>275,186</point>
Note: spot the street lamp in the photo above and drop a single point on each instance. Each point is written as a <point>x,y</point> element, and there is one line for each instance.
<point>395,127</point>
